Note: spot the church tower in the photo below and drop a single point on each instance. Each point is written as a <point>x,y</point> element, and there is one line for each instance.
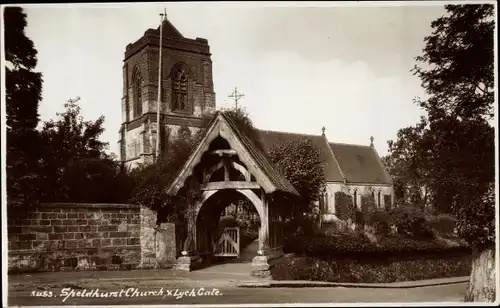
<point>187,91</point>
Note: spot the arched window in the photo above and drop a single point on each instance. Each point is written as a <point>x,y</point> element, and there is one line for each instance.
<point>179,88</point>
<point>378,198</point>
<point>137,88</point>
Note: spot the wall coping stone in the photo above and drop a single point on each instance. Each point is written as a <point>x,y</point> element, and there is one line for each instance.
<point>90,205</point>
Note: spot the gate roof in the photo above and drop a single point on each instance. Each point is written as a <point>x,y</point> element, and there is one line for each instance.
<point>266,174</point>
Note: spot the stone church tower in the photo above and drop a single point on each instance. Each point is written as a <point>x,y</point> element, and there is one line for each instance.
<point>187,91</point>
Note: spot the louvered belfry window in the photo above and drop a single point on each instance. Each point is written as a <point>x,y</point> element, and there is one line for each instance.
<point>179,99</point>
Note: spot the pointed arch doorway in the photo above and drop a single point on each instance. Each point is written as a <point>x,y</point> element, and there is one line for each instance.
<point>225,167</point>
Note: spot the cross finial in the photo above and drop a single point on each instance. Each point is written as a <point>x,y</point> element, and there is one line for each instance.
<point>236,96</point>
<point>371,141</point>
<point>323,130</point>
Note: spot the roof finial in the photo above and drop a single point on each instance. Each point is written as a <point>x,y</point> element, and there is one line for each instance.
<point>371,141</point>
<point>323,130</point>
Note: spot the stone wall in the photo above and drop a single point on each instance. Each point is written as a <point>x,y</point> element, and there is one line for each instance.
<point>75,236</point>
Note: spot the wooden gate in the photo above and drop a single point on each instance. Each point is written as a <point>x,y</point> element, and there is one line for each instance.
<point>228,242</point>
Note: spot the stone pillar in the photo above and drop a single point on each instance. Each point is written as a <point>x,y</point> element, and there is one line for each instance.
<point>166,251</point>
<point>148,238</point>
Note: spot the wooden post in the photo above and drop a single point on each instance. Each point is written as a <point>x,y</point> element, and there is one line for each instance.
<point>264,225</point>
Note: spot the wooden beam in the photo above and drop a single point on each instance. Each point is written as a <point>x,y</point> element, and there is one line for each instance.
<point>229,185</point>
<point>226,170</point>
<point>224,152</point>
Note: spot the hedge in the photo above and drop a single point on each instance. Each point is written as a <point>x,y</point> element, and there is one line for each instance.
<point>357,245</point>
<point>376,270</point>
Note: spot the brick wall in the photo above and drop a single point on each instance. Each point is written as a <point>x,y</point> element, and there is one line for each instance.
<point>69,236</point>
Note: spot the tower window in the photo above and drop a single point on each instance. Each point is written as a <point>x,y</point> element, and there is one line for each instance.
<point>137,87</point>
<point>179,90</point>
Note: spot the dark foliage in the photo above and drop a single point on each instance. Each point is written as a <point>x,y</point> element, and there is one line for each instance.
<point>374,270</point>
<point>245,125</point>
<point>357,245</point>
<point>450,154</point>
<point>359,218</point>
<point>152,180</point>
<point>443,224</point>
<point>23,87</point>
<point>74,166</point>
<point>388,202</point>
<point>344,207</point>
<point>410,220</point>
<point>380,220</point>
<point>299,161</point>
<point>368,204</point>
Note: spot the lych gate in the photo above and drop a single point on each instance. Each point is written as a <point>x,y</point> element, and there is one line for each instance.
<point>225,166</point>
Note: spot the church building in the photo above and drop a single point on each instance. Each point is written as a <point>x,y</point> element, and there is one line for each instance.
<point>187,91</point>
<point>187,95</point>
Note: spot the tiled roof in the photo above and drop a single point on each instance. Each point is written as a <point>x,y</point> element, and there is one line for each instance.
<point>354,163</point>
<point>260,158</point>
<point>277,179</point>
<point>331,171</point>
<point>360,164</point>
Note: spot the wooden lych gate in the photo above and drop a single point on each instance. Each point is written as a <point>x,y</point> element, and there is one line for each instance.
<point>228,243</point>
<point>226,167</point>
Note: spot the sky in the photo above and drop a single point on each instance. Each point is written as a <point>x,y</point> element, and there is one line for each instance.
<point>301,67</point>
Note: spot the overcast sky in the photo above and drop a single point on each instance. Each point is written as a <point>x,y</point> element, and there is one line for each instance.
<point>300,68</point>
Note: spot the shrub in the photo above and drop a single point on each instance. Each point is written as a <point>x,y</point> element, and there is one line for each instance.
<point>228,221</point>
<point>388,202</point>
<point>443,223</point>
<point>325,245</point>
<point>333,227</point>
<point>380,220</point>
<point>348,270</point>
<point>357,245</point>
<point>359,218</point>
<point>410,220</point>
<point>368,204</point>
<point>344,207</point>
<point>299,226</point>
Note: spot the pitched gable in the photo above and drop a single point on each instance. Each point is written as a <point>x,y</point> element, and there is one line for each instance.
<point>331,169</point>
<point>266,175</point>
<point>360,164</point>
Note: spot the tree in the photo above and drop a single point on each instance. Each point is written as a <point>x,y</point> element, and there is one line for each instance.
<point>407,164</point>
<point>74,165</point>
<point>457,67</point>
<point>152,179</point>
<point>300,163</point>
<point>453,149</point>
<point>23,93</point>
